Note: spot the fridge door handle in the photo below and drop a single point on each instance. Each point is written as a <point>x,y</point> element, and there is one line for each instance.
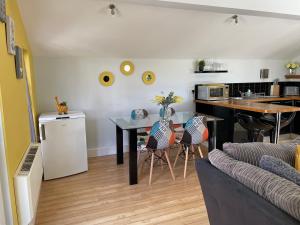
<point>43,132</point>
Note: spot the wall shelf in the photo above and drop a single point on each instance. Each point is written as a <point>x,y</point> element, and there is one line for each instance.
<point>292,76</point>
<point>217,71</point>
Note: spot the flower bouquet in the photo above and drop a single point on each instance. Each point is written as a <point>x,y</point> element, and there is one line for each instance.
<point>292,67</point>
<point>166,112</point>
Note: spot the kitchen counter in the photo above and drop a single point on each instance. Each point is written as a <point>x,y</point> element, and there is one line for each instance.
<point>256,105</point>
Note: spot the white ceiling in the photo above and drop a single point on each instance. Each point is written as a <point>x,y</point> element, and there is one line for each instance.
<point>83,28</point>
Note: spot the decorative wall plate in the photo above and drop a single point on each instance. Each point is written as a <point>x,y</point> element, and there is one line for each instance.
<point>149,77</point>
<point>106,78</point>
<point>127,68</point>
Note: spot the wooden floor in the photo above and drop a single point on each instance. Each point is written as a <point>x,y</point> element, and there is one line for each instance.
<point>102,196</point>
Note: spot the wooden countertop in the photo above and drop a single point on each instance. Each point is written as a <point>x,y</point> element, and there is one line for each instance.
<point>256,105</point>
<point>274,99</point>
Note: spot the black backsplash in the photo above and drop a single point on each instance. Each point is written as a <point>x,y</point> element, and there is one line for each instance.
<point>259,87</point>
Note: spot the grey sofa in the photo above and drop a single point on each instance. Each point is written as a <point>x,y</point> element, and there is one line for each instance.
<point>229,202</point>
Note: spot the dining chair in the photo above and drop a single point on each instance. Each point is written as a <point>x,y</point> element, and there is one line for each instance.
<point>143,133</point>
<point>160,139</point>
<point>195,133</point>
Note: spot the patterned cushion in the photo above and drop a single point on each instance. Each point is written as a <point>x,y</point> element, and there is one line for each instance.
<point>138,114</point>
<point>252,152</point>
<point>279,191</point>
<point>280,168</point>
<point>161,135</point>
<point>195,131</point>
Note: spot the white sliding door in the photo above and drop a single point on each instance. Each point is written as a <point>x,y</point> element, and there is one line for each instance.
<point>6,217</point>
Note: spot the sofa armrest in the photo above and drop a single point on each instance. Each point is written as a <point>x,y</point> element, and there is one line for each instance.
<point>229,202</point>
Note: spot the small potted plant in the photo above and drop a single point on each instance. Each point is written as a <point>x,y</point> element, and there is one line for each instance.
<point>201,65</point>
<point>166,112</point>
<point>292,67</point>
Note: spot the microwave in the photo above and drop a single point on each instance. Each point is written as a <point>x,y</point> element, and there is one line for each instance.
<point>212,92</point>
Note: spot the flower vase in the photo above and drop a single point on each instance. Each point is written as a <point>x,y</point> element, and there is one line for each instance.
<point>292,71</point>
<point>164,113</point>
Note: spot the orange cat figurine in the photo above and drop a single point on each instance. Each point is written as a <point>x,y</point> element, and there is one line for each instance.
<point>62,107</point>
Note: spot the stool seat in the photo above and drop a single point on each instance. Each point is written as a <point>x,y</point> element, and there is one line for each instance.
<point>270,119</point>
<point>255,128</point>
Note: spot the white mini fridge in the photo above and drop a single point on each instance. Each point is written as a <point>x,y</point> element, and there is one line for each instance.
<point>63,144</point>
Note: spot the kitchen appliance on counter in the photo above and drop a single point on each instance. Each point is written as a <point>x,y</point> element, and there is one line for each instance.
<point>211,92</point>
<point>291,91</point>
<point>63,144</point>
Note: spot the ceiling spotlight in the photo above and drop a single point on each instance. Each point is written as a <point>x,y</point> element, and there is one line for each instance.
<point>112,9</point>
<point>235,18</point>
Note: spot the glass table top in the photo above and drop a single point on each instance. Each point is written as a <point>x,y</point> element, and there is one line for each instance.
<point>126,123</point>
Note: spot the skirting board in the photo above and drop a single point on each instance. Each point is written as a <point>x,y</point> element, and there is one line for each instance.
<point>103,151</point>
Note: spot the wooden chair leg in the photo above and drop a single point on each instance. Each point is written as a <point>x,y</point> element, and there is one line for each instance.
<point>161,161</point>
<point>193,151</point>
<point>200,152</point>
<point>169,164</point>
<point>151,168</point>
<point>138,155</point>
<point>186,161</point>
<point>177,156</point>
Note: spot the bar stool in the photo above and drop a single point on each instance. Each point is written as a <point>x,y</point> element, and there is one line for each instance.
<point>270,120</point>
<point>195,133</point>
<point>255,128</point>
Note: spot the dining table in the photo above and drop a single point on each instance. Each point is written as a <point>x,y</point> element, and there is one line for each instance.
<point>126,123</point>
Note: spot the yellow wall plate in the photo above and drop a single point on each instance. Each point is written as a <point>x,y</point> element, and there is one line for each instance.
<point>149,77</point>
<point>127,68</point>
<point>106,78</point>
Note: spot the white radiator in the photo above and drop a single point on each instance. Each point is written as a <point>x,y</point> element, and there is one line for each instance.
<point>28,181</point>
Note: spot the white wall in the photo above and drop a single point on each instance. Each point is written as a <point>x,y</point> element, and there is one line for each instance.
<point>76,81</point>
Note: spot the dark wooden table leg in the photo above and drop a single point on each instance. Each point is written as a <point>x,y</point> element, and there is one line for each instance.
<point>133,171</point>
<point>212,141</point>
<point>119,136</point>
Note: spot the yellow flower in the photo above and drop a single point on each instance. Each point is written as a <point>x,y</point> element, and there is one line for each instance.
<point>158,99</point>
<point>178,99</point>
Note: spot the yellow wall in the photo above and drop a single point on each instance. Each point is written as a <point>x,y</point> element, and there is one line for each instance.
<point>14,104</point>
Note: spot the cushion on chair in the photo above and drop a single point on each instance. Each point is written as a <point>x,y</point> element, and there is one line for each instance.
<point>161,135</point>
<point>279,191</point>
<point>138,114</point>
<point>279,167</point>
<point>195,131</point>
<point>252,152</point>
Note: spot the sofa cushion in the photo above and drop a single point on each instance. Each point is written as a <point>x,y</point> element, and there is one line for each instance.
<point>252,152</point>
<point>279,167</point>
<point>279,191</point>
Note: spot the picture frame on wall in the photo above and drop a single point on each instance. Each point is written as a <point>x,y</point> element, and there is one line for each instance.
<point>10,35</point>
<point>2,11</point>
